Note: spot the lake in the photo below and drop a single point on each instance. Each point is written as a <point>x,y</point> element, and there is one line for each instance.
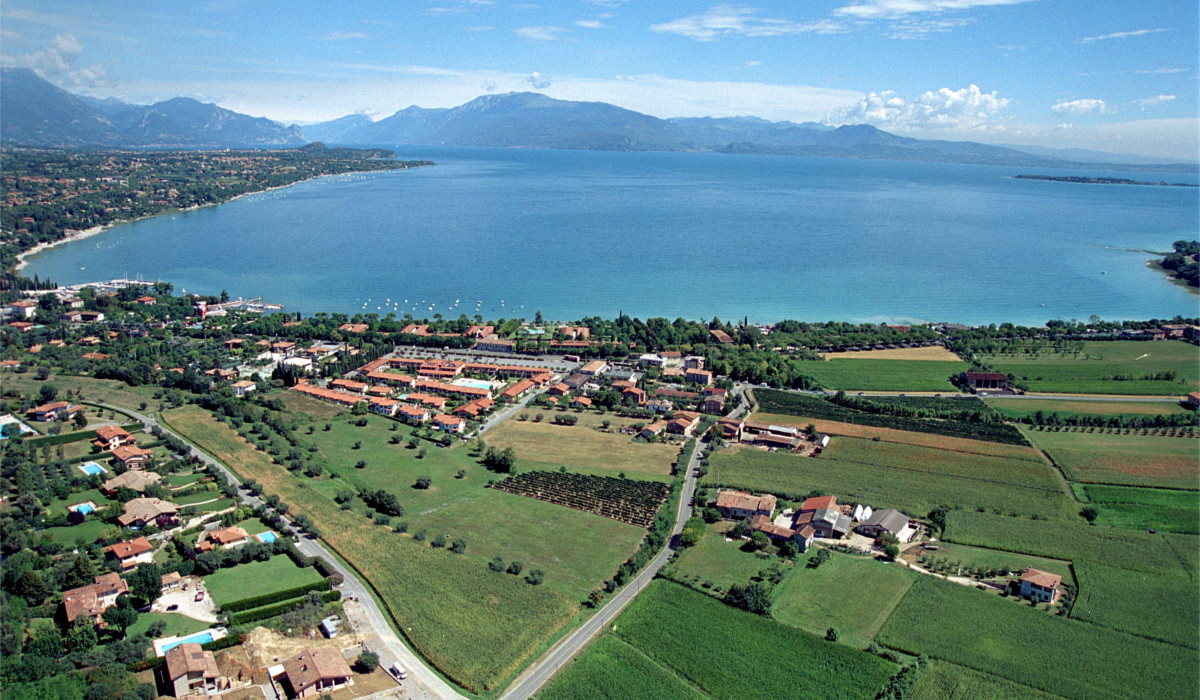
<point>506,233</point>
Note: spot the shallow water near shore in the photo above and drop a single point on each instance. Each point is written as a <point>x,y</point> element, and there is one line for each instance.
<point>506,233</point>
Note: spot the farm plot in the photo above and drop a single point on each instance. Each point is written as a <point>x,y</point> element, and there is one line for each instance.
<point>718,564</point>
<point>1131,460</point>
<point>307,407</point>
<point>1162,606</point>
<point>931,353</point>
<point>817,599</point>
<point>996,636</point>
<point>913,479</point>
<point>612,669</point>
<point>772,401</point>
<point>627,500</point>
<point>883,374</point>
<point>731,653</point>
<point>1169,367</point>
<point>942,680</point>
<point>1077,542</point>
<point>545,445</point>
<point>1020,408</point>
<point>1168,510</point>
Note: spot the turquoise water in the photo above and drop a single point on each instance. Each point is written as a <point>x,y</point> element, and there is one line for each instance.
<point>91,469</point>
<point>473,383</point>
<point>84,508</point>
<point>267,537</point>
<point>506,233</point>
<point>200,638</point>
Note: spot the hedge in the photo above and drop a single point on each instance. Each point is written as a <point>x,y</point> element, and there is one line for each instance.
<point>267,599</point>
<point>61,438</point>
<point>269,611</point>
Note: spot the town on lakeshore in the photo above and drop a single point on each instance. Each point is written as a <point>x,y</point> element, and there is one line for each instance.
<point>207,496</point>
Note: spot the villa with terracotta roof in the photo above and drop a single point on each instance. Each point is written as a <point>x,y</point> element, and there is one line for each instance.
<point>109,437</point>
<point>131,552</point>
<point>698,376</point>
<point>348,385</point>
<point>633,394</point>
<point>225,537</point>
<point>818,503</point>
<point>56,410</point>
<point>593,368</point>
<point>721,336</point>
<point>383,405</point>
<point>1039,585</point>
<point>92,600</point>
<point>283,347</point>
<point>472,409</point>
<point>354,327</point>
<point>654,429</point>
<point>736,505</point>
<point>190,670</point>
<point>133,479</point>
<point>316,671</point>
<point>243,387</point>
<point>559,389</point>
<point>517,390</point>
<point>140,511</point>
<point>429,400</point>
<point>576,332</point>
<point>132,456</point>
<point>344,398</point>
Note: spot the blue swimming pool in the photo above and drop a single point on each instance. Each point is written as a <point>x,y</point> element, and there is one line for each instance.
<point>84,508</point>
<point>92,469</point>
<point>473,383</point>
<point>200,638</point>
<point>267,537</point>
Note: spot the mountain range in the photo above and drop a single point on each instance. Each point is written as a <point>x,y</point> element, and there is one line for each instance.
<point>35,112</point>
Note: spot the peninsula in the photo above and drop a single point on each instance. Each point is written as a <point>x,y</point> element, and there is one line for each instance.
<point>1101,180</point>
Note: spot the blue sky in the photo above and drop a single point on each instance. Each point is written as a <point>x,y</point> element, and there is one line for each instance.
<point>1112,76</point>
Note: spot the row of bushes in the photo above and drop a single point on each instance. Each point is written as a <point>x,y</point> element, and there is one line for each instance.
<point>266,599</point>
<point>267,611</point>
<point>61,438</point>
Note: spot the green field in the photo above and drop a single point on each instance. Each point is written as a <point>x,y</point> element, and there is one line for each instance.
<point>998,636</point>
<point>1167,510</point>
<point>861,374</point>
<point>106,391</point>
<point>942,680</point>
<point>911,478</point>
<point>720,563</point>
<point>176,624</point>
<point>1094,370</point>
<point>958,555</point>
<point>87,531</point>
<point>59,506</point>
<point>729,653</point>
<point>1132,460</point>
<point>1020,408</point>
<point>1155,605</point>
<point>612,669</point>
<point>257,578</point>
<point>853,594</point>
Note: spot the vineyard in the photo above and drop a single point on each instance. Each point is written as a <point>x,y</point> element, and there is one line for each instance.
<point>628,500</point>
<point>771,401</point>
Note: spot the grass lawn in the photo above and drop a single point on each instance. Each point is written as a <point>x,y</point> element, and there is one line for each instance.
<point>308,408</point>
<point>1094,371</point>
<point>545,445</point>
<point>89,530</point>
<point>907,477</point>
<point>59,506</point>
<point>70,451</point>
<point>1168,510</point>
<point>852,374</point>
<point>614,670</point>
<point>107,391</point>
<point>257,578</point>
<point>178,480</point>
<point>942,680</point>
<point>959,555</point>
<point>854,594</point>
<point>197,498</point>
<point>253,526</point>
<point>1019,408</point>
<point>721,563</point>
<point>176,624</point>
<point>1133,460</point>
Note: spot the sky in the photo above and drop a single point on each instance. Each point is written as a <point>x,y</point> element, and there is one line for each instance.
<point>1109,75</point>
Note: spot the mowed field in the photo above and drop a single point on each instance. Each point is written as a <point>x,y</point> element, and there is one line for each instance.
<point>1134,460</point>
<point>724,652</point>
<point>279,573</point>
<point>905,437</point>
<point>1001,637</point>
<point>475,625</point>
<point>1020,408</point>
<point>817,599</point>
<point>544,445</point>
<point>720,563</point>
<point>1094,370</point>
<point>908,477</point>
<point>875,374</point>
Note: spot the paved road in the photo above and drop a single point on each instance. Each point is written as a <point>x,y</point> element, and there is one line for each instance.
<point>422,682</point>
<point>561,653</point>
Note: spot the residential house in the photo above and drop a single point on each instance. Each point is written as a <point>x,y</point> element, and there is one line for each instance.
<point>1039,585</point>
<point>228,537</point>
<point>130,553</point>
<point>713,403</point>
<point>132,456</point>
<point>171,581</point>
<point>581,402</point>
<point>316,671</point>
<point>243,387</point>
<point>383,406</point>
<point>414,414</point>
<point>660,406</point>
<point>349,385</point>
<point>986,380</point>
<point>693,362</point>
<point>392,378</point>
<point>24,309</point>
<point>672,358</point>
<point>652,360</point>
<point>354,328</point>
<point>189,670</point>
<point>736,505</point>
<point>449,423</point>
<point>698,376</point>
<point>136,480</point>
<point>817,503</point>
<point>683,423</point>
<point>594,368</point>
<point>429,400</point>
<point>730,429</point>
<point>576,380</point>
<point>480,331</point>
<point>92,600</point>
<point>472,409</point>
<point>654,429</point>
<point>283,347</point>
<point>576,332</point>
<point>891,521</point>
<point>140,511</point>
<point>517,390</point>
<point>828,522</point>
<point>56,410</point>
<point>721,336</point>
<point>110,437</point>
<point>146,301</point>
<point>560,389</point>
<point>634,395</point>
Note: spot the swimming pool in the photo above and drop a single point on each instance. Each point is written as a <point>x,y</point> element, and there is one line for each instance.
<point>267,537</point>
<point>84,508</point>
<point>473,383</point>
<point>200,638</point>
<point>92,469</point>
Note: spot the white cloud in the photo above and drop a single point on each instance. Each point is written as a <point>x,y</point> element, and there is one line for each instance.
<point>538,81</point>
<point>752,64</point>
<point>59,63</point>
<point>591,24</point>
<point>541,33</point>
<point>965,110</point>
<point>911,28</point>
<point>1161,71</point>
<point>1155,101</point>
<point>738,20</point>
<point>1082,106</point>
<point>891,9</point>
<point>1121,35</point>
<point>344,36</point>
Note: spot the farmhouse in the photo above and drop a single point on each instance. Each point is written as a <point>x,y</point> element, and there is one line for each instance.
<point>736,505</point>
<point>317,671</point>
<point>189,670</point>
<point>1040,585</point>
<point>132,456</point>
<point>111,436</point>
<point>771,441</point>
<point>683,423</point>
<point>654,429</point>
<point>135,480</point>
<point>130,553</point>
<point>890,521</point>
<point>140,511</point>
<point>730,429</point>
<point>828,522</point>
<point>92,600</point>
<point>986,380</point>
<point>581,402</point>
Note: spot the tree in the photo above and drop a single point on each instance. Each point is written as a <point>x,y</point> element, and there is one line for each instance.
<point>459,546</point>
<point>536,577</point>
<point>891,551</point>
<point>515,568</point>
<point>759,541</point>
<point>438,542</point>
<point>497,564</point>
<point>145,583</point>
<point>423,482</point>
<point>31,587</point>
<point>1089,513</point>
<point>121,616</point>
<point>367,661</point>
<point>47,393</point>
<point>752,598</point>
<point>831,634</point>
<point>80,420</point>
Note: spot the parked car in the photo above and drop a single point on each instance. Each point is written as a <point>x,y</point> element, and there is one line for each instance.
<point>398,671</point>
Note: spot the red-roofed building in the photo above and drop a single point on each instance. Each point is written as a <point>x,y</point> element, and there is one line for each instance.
<point>131,552</point>
<point>110,437</point>
<point>132,456</point>
<point>559,389</point>
<point>818,503</point>
<point>56,410</point>
<point>449,424</point>
<point>354,328</point>
<point>348,385</point>
<point>736,505</point>
<point>721,336</point>
<point>517,390</point>
<point>1039,585</point>
<point>383,406</point>
<point>413,414</point>
<point>92,600</point>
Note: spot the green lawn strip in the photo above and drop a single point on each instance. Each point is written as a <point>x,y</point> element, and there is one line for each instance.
<point>1132,460</point>
<point>731,653</point>
<point>719,563</point>
<point>817,599</point>
<point>197,498</point>
<point>1159,606</point>
<point>89,530</point>
<point>612,669</point>
<point>942,680</point>
<point>954,556</point>
<point>1167,510</point>
<point>1119,547</point>
<point>279,573</point>
<point>59,505</point>
<point>177,624</point>
<point>213,506</point>
<point>253,526</point>
<point>915,485</point>
<point>1020,408</point>
<point>1010,639</point>
<point>1093,371</point>
<point>179,480</point>
<point>884,375</point>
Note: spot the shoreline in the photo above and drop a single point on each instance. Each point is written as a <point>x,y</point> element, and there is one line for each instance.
<point>1156,264</point>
